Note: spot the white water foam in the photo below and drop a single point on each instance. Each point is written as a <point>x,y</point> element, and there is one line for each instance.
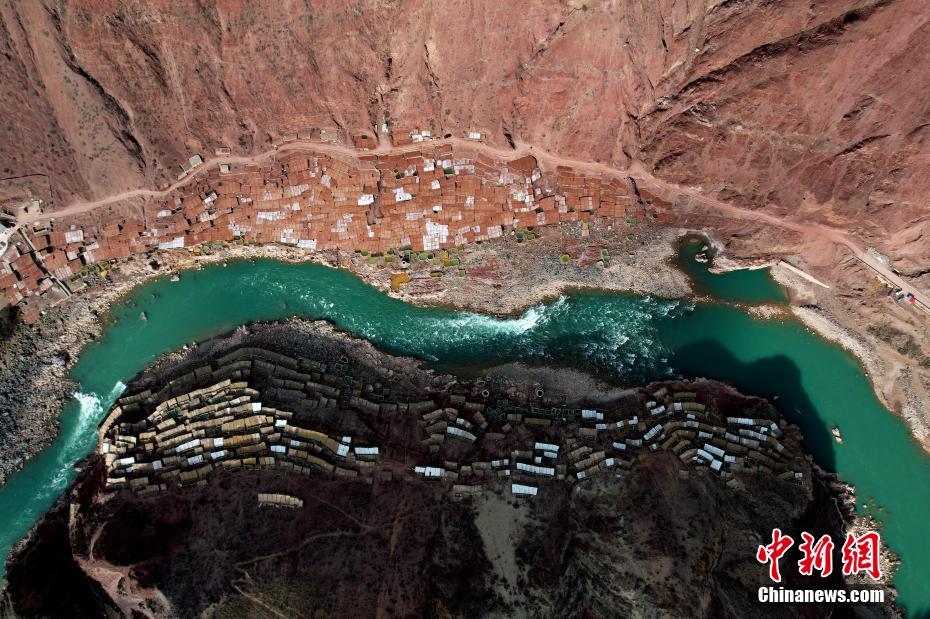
<point>471,324</point>
<point>91,407</point>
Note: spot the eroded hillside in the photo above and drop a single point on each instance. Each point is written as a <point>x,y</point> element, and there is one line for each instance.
<point>789,105</point>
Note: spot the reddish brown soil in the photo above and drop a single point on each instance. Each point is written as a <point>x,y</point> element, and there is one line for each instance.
<point>786,106</point>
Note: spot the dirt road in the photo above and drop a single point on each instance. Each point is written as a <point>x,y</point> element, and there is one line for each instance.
<point>336,150</point>
<point>669,191</point>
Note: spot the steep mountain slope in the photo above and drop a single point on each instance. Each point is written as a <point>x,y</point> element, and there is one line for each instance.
<point>793,105</point>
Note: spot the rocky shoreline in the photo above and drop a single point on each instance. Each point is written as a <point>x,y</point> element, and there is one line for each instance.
<point>898,381</point>
<point>883,366</point>
<point>34,384</point>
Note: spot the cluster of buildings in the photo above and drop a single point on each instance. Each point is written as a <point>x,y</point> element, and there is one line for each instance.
<point>423,200</point>
<point>189,434</point>
<point>468,441</point>
<point>594,442</point>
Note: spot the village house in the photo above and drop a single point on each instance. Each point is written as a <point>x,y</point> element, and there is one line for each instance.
<point>426,200</point>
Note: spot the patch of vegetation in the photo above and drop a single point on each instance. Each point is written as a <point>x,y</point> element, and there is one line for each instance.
<point>398,280</point>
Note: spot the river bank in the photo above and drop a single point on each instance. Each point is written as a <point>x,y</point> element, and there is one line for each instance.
<point>35,360</point>
<point>502,278</point>
<point>900,381</point>
<point>34,384</point>
<point>863,321</point>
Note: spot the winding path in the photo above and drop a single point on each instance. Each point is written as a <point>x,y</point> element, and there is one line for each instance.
<point>636,171</point>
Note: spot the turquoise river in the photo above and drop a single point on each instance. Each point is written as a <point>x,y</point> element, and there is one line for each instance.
<point>628,338</point>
